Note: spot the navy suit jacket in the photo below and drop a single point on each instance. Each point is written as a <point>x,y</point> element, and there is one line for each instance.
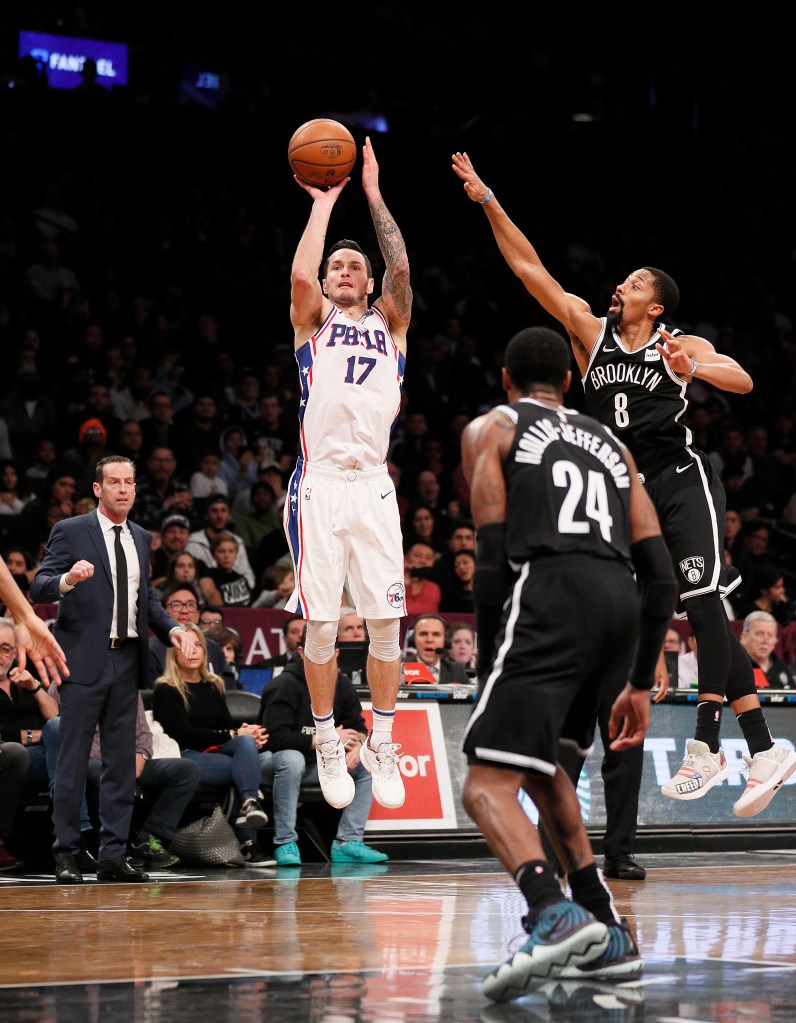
<point>85,614</point>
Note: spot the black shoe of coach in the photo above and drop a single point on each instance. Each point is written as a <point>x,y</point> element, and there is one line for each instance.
<point>120,870</point>
<point>67,871</point>
<point>623,867</point>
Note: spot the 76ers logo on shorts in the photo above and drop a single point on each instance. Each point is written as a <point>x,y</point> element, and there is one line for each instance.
<point>395,595</point>
<point>692,569</point>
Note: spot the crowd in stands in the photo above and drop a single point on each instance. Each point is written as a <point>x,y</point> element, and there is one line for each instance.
<point>144,311</point>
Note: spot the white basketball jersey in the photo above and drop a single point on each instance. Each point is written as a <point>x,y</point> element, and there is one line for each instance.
<point>351,373</point>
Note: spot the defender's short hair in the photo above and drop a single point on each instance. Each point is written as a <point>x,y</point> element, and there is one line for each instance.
<point>537,355</point>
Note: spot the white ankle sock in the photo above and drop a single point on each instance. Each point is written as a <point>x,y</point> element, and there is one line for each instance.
<point>382,727</point>
<point>324,729</point>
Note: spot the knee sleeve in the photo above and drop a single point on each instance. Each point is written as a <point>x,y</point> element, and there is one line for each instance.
<point>320,642</point>
<point>385,639</point>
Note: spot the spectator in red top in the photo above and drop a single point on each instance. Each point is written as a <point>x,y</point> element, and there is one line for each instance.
<point>422,594</point>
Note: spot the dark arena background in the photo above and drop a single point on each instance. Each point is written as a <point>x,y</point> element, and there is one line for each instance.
<point>614,139</point>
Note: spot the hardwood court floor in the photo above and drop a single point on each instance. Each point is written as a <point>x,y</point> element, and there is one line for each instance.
<point>402,942</point>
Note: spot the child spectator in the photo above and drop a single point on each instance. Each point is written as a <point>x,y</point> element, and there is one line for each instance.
<point>205,482</point>
<point>230,642</point>
<point>232,586</point>
<point>278,582</point>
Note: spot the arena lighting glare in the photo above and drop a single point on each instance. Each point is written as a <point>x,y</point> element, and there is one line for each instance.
<point>62,58</point>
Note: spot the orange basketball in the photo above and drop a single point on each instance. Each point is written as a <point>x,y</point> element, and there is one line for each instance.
<point>322,152</point>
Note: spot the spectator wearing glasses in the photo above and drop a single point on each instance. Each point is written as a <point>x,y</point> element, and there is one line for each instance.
<point>183,601</point>
<point>210,615</point>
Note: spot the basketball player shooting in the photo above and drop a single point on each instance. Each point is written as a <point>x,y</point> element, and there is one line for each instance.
<point>341,517</point>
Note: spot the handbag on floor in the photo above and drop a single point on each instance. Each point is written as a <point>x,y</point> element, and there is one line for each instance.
<point>208,842</point>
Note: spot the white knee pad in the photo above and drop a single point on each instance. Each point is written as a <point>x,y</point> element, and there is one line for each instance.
<point>384,636</point>
<point>320,642</point>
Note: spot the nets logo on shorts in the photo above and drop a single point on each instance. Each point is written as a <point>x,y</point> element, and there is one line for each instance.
<point>693,569</point>
<point>395,595</point>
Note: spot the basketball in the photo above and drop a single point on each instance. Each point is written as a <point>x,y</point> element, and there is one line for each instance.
<point>322,152</point>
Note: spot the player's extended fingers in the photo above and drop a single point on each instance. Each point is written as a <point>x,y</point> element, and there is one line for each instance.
<point>632,734</point>
<point>46,670</point>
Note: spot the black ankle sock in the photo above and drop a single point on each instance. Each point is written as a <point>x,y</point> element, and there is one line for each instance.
<point>755,730</point>
<point>591,892</point>
<point>537,882</point>
<point>708,726</point>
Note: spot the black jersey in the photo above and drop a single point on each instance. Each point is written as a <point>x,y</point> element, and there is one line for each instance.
<point>568,486</point>
<point>640,398</point>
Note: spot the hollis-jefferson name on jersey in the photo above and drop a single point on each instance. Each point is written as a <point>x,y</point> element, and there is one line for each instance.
<point>534,441</point>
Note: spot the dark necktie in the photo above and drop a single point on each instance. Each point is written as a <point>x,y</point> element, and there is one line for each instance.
<point>121,584</point>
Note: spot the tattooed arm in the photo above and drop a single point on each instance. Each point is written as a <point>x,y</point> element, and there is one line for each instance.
<point>395,300</point>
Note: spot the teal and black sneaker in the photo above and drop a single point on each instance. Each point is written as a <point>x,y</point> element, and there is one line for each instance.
<point>620,961</point>
<point>564,934</point>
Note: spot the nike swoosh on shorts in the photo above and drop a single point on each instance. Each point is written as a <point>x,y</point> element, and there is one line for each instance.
<point>682,468</point>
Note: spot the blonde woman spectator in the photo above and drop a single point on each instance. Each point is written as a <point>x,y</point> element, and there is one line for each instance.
<point>189,702</point>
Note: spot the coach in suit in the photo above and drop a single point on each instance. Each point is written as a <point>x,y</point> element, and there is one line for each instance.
<point>97,567</point>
